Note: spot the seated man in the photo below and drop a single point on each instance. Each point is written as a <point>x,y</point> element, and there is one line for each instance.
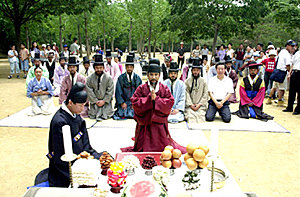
<point>68,115</point>
<point>177,89</point>
<point>70,80</point>
<point>127,83</point>
<point>59,73</point>
<point>40,90</point>
<point>36,63</point>
<point>186,73</point>
<point>152,103</point>
<point>86,69</point>
<point>111,68</point>
<point>252,94</point>
<point>229,72</point>
<point>100,90</point>
<point>220,88</point>
<point>166,66</point>
<point>196,96</point>
<point>50,64</point>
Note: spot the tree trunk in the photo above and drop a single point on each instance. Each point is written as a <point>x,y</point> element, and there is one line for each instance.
<point>154,48</point>
<point>27,37</point>
<point>215,39</point>
<point>143,45</point>
<point>162,47</point>
<point>60,34</point>
<point>112,44</point>
<point>130,35</point>
<point>99,43</point>
<point>172,46</point>
<point>17,27</point>
<point>79,39</point>
<point>104,40</point>
<point>149,39</point>
<point>169,43</point>
<point>86,35</point>
<point>192,42</point>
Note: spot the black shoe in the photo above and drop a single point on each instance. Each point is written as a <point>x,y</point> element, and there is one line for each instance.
<point>287,110</point>
<point>296,113</point>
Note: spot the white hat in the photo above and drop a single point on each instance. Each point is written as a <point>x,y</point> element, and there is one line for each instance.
<point>271,46</point>
<point>181,42</point>
<point>273,52</point>
<point>256,54</point>
<point>54,43</point>
<point>43,45</point>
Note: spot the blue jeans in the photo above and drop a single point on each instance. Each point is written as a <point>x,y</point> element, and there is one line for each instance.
<point>24,65</point>
<point>13,66</point>
<point>268,82</point>
<point>238,64</point>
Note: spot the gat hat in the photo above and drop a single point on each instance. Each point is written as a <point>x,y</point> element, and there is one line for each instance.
<point>62,57</point>
<point>43,45</point>
<point>132,53</point>
<point>174,67</point>
<point>273,52</point>
<point>290,42</point>
<point>197,63</point>
<point>108,53</point>
<point>98,60</point>
<point>77,93</point>
<point>73,61</point>
<point>228,59</point>
<point>86,60</point>
<point>271,46</point>
<point>181,42</point>
<point>154,68</point>
<point>221,62</point>
<point>215,60</point>
<point>253,65</point>
<point>129,60</point>
<point>154,61</point>
<point>36,56</point>
<point>65,45</point>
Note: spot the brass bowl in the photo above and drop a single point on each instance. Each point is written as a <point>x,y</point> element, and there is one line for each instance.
<point>219,178</point>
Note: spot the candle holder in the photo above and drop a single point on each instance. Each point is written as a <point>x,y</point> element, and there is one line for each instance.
<point>69,159</point>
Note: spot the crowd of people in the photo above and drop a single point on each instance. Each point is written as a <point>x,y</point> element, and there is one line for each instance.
<point>194,91</point>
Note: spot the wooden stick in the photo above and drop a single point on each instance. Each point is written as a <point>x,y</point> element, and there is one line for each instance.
<point>212,176</point>
<point>70,172</point>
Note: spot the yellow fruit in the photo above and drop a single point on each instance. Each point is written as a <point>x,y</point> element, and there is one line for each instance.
<point>170,148</point>
<point>176,154</point>
<point>187,156</point>
<point>204,163</point>
<point>205,149</point>
<point>199,155</point>
<point>167,164</point>
<point>191,164</point>
<point>166,155</point>
<point>190,148</point>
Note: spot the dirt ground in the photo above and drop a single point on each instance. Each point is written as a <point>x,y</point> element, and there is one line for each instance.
<point>265,163</point>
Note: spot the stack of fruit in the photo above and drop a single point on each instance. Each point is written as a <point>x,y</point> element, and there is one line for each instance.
<point>195,156</point>
<point>105,161</point>
<point>170,157</point>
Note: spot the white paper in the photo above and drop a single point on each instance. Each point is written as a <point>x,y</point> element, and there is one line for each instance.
<point>66,130</point>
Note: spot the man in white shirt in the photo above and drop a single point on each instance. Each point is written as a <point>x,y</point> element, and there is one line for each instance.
<point>220,89</point>
<point>204,52</point>
<point>74,48</point>
<point>283,64</point>
<point>294,76</point>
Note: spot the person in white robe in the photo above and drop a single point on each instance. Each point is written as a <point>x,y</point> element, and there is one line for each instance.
<point>177,88</point>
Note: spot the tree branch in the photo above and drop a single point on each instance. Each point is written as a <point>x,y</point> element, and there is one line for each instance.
<point>6,10</point>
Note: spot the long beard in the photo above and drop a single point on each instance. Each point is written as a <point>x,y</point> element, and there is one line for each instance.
<point>196,77</point>
<point>100,73</point>
<point>173,79</point>
<point>153,83</point>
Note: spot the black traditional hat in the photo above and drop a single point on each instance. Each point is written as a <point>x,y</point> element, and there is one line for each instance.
<point>154,68</point>
<point>228,59</point>
<point>174,67</point>
<point>129,60</point>
<point>108,53</point>
<point>77,93</point>
<point>154,61</point>
<point>216,60</point>
<point>253,65</point>
<point>62,57</point>
<point>132,53</point>
<point>73,61</point>
<point>197,63</point>
<point>37,56</point>
<point>98,60</point>
<point>86,60</point>
<point>223,62</point>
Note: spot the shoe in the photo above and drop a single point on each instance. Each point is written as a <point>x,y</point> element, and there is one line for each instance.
<point>24,77</point>
<point>296,113</point>
<point>18,76</point>
<point>287,110</point>
<point>9,77</point>
<point>269,101</point>
<point>280,103</point>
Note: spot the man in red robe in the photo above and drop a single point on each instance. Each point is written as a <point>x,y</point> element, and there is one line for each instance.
<point>152,103</point>
<point>252,94</point>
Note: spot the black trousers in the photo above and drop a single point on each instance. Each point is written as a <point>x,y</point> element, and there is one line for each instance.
<point>223,111</point>
<point>180,60</point>
<point>294,89</point>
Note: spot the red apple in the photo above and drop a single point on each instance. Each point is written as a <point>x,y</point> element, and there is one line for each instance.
<point>176,163</point>
<point>176,154</point>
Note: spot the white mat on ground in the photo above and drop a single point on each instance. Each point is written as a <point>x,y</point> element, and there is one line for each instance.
<point>21,119</point>
<point>112,139</point>
<point>240,124</point>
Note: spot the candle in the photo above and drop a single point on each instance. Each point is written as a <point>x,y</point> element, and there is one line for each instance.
<point>214,139</point>
<point>66,130</point>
